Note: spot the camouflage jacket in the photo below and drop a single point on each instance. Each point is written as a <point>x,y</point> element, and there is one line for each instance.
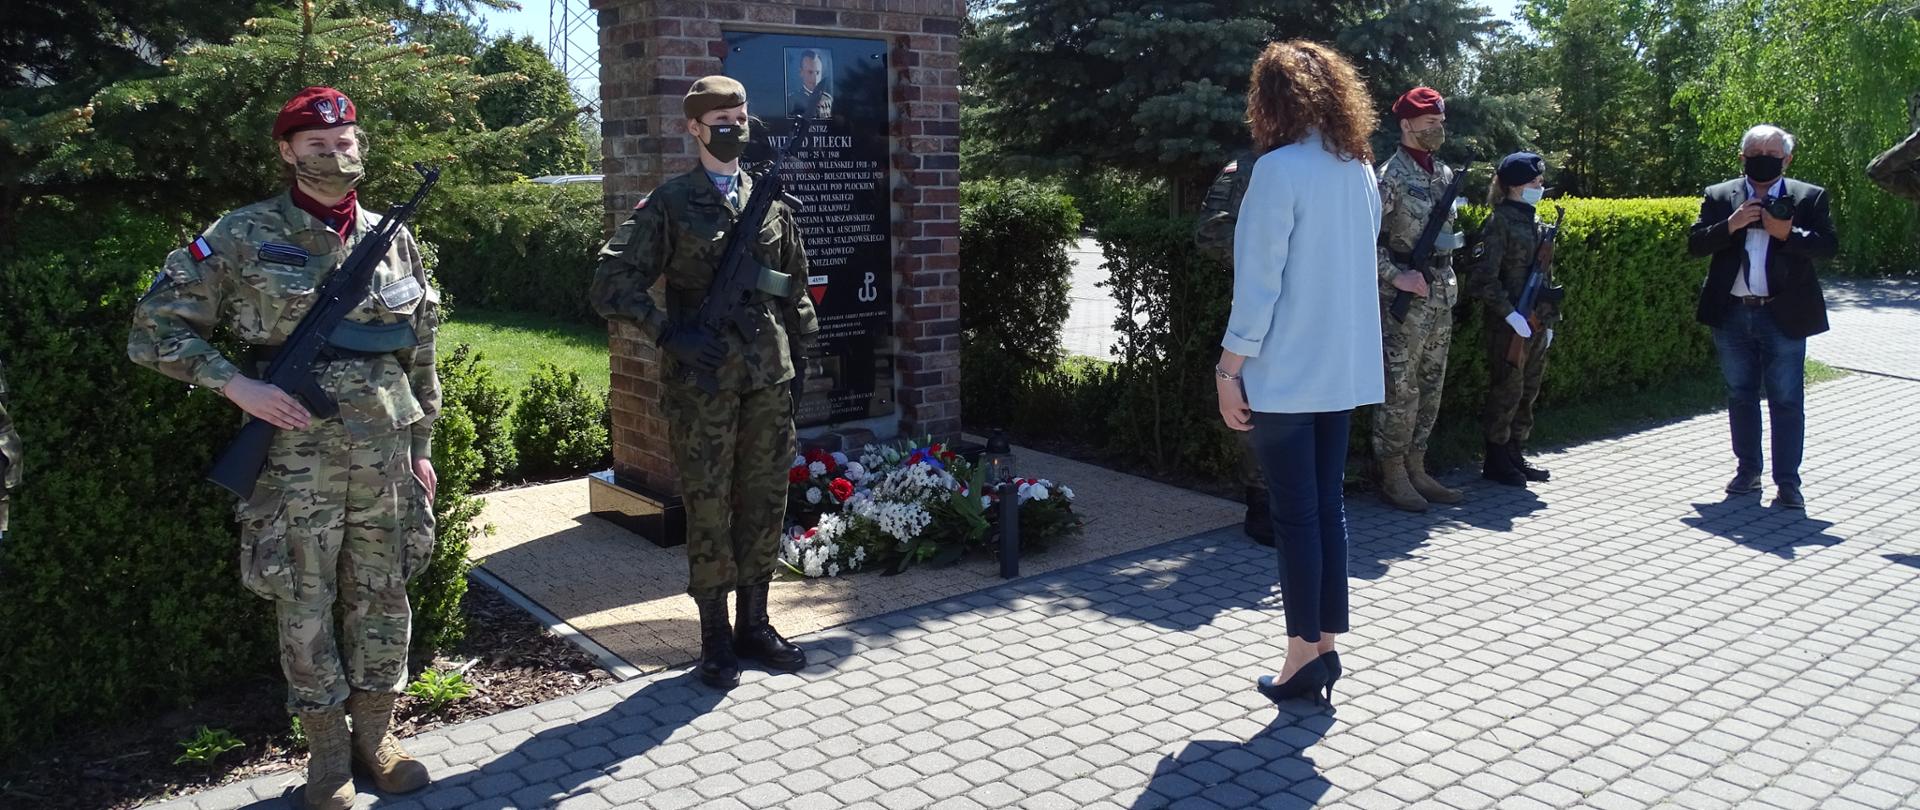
<point>1407,195</point>
<point>1508,241</point>
<point>1220,212</point>
<point>9,444</point>
<point>677,234</point>
<point>246,274</point>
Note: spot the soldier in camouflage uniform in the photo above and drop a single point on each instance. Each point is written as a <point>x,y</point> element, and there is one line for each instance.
<point>1508,242</point>
<point>1411,183</point>
<point>343,511</point>
<point>9,454</point>
<point>1218,216</point>
<point>732,449</point>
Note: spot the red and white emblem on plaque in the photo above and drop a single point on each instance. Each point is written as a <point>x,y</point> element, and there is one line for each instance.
<point>817,288</point>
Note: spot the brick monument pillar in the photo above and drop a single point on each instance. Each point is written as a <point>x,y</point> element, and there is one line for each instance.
<point>877,84</point>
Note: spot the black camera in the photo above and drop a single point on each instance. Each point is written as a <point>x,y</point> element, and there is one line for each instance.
<point>1780,207</point>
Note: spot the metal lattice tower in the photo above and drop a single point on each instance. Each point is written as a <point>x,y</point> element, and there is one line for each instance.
<point>573,43</point>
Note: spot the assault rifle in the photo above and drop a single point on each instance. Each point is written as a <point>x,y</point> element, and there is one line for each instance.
<point>1535,290</point>
<point>1423,249</point>
<point>345,289</point>
<point>741,279</point>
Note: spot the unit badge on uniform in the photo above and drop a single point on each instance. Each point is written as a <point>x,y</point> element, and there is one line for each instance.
<point>1479,249</point>
<point>401,293</point>
<point>283,253</point>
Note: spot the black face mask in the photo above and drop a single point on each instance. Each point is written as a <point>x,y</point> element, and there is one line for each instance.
<point>726,141</point>
<point>1764,168</point>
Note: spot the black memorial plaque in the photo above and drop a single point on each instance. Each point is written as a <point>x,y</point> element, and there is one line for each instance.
<point>839,86</point>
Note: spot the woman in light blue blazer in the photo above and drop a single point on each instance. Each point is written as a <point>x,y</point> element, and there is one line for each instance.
<point>1302,348</point>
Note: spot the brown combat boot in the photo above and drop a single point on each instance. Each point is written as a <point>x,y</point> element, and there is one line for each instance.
<point>376,749</point>
<point>1395,489</point>
<point>329,763</point>
<point>1433,491</point>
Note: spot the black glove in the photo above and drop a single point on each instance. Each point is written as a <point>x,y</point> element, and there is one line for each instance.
<point>693,347</point>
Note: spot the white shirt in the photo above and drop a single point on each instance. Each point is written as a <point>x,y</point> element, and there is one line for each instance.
<point>1758,241</point>
<point>1306,300</point>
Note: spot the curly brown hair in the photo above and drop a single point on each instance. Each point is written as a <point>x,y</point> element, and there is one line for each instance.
<point>1301,85</point>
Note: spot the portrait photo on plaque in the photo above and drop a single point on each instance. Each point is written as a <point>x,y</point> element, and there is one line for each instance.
<point>809,82</point>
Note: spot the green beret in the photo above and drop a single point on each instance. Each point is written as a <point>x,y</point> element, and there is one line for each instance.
<point>714,93</point>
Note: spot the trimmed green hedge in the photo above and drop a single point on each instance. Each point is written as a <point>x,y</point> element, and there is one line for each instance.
<point>1628,326</point>
<point>523,246</point>
<point>119,593</point>
<point>1014,279</point>
<point>1628,318</point>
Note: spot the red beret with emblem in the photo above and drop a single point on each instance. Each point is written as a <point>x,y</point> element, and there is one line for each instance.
<point>1418,102</point>
<point>314,108</point>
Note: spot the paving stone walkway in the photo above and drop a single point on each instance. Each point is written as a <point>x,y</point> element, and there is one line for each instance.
<point>1623,637</point>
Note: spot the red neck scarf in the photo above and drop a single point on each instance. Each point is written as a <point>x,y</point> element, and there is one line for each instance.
<point>340,216</point>
<point>1420,156</point>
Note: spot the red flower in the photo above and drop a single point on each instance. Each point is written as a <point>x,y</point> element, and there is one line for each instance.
<point>797,475</point>
<point>842,489</point>
<point>824,458</point>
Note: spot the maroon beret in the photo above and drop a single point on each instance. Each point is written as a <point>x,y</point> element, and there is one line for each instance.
<point>1418,102</point>
<point>314,108</point>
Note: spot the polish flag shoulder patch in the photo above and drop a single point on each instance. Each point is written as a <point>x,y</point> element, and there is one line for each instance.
<point>1231,168</point>
<point>199,249</point>
<point>642,203</point>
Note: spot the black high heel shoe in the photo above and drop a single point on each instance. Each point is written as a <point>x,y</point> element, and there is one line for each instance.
<point>1332,657</point>
<point>1307,682</point>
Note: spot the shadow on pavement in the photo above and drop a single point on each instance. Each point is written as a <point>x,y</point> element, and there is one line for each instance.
<point>1189,590</point>
<point>1744,520</point>
<point>1494,507</point>
<point>1270,770</point>
<point>1909,560</point>
<point>558,763</point>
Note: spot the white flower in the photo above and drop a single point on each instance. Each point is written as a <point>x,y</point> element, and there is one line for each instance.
<point>986,501</point>
<point>817,468</point>
<point>1067,491</point>
<point>1040,492</point>
<point>833,570</point>
<point>855,471</point>
<point>840,459</point>
<point>798,461</point>
<point>813,494</point>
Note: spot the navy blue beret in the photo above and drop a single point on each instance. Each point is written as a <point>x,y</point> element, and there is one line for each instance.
<point>1519,168</point>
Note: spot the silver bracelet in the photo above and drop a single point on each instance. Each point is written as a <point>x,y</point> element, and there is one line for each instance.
<point>1221,373</point>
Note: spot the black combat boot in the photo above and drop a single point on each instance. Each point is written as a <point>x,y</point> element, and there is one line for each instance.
<point>1499,467</point>
<point>1519,459</point>
<point>719,667</point>
<point>757,640</point>
<point>1259,523</point>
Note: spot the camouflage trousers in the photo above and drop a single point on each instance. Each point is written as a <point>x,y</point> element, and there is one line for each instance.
<point>733,450</point>
<point>337,520</point>
<point>1511,391</point>
<point>1416,364</point>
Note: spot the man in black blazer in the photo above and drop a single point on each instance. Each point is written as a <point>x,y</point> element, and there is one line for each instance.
<point>1763,300</point>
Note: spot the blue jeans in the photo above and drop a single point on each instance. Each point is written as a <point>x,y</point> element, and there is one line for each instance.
<point>1304,456</point>
<point>1756,356</point>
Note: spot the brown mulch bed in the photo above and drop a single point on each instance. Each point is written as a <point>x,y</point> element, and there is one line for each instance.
<point>515,662</point>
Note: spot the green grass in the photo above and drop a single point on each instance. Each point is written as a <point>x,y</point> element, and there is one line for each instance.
<point>1573,423</point>
<point>513,343</point>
